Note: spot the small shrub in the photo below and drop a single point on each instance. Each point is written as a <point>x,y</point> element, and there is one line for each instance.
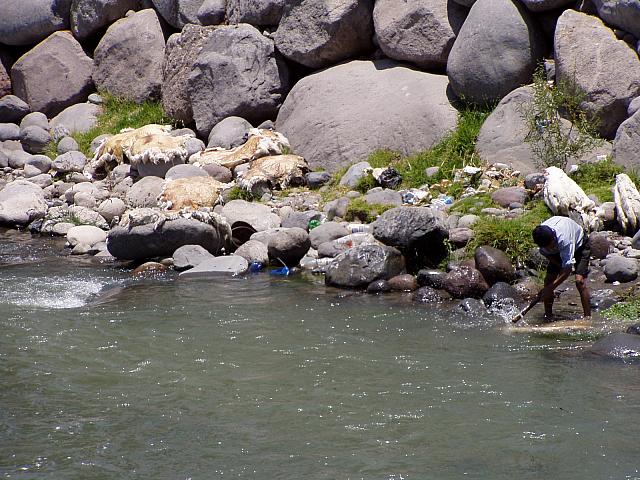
<point>628,311</point>
<point>366,183</point>
<point>237,193</point>
<point>512,236</point>
<point>365,212</point>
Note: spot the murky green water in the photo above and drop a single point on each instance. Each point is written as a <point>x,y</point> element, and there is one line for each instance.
<point>274,378</point>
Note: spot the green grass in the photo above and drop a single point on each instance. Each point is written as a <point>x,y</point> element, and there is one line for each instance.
<point>473,204</point>
<point>237,193</point>
<point>598,178</point>
<point>116,115</point>
<point>513,236</point>
<point>365,212</point>
<point>625,311</point>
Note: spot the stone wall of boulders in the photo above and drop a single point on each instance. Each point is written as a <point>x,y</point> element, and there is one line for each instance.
<point>339,79</point>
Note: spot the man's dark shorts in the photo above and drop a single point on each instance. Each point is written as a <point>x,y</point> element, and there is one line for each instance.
<point>581,267</point>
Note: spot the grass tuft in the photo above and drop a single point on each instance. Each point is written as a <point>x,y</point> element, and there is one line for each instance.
<point>625,311</point>
<point>359,209</point>
<point>598,178</point>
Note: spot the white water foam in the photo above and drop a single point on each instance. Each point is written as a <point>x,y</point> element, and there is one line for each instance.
<point>55,292</point>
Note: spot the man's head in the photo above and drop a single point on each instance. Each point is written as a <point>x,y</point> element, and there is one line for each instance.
<point>543,236</point>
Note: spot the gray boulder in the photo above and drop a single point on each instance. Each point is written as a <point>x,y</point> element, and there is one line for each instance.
<point>12,108</point>
<point>236,73</point>
<point>212,12</point>
<point>620,346</point>
<point>317,179</point>
<point>85,234</point>
<point>145,193</point>
<point>258,216</point>
<point>34,139</point>
<point>153,240</point>
<point>87,216</point>
<point>69,162</point>
<point>544,5</point>
<point>332,121</point>
<point>78,118</point>
<point>189,256</point>
<point>494,265</point>
<point>429,295</point>
<point>184,171</point>
<point>508,195</point>
<point>624,14</point>
<point>254,251</point>
<point>465,282</point>
<point>53,75</point>
<point>5,80</point>
<point>17,158</point>
<point>178,13</point>
<point>621,269</point>
<point>495,52</point>
<point>220,173</point>
<point>421,32</point>
<point>326,232</point>
<point>67,144</point>
<point>9,131</point>
<point>37,119</point>
<point>418,232</point>
<point>319,34</point>
<point>355,173</point>
<point>230,132</point>
<point>626,145</point>
<point>359,266</point>
<point>21,202</point>
<point>111,208</point>
<point>259,13</point>
<point>300,219</point>
<point>384,196</point>
<point>88,17</point>
<point>231,265</point>
<point>40,162</point>
<point>26,22</point>
<point>588,53</point>
<point>128,59</point>
<point>460,236</point>
<point>179,59</point>
<point>337,208</point>
<point>285,245</point>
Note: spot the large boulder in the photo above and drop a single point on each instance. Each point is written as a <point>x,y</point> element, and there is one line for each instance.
<point>179,59</point>
<point>85,234</point>
<point>162,239</point>
<point>237,72</point>
<point>319,34</point>
<point>53,75</point>
<point>327,232</point>
<point>621,269</point>
<point>189,256</point>
<point>588,53</point>
<point>544,5</point>
<point>229,133</point>
<point>256,215</point>
<point>178,13</point>
<point>332,121</point>
<point>25,22</point>
<point>421,32</point>
<point>494,265</point>
<point>90,16</point>
<point>284,245</point>
<point>261,13</point>
<point>5,80</point>
<point>78,118</point>
<point>624,14</point>
<point>499,293</point>
<point>145,192</point>
<point>212,267</point>
<point>359,266</point>
<point>495,52</point>
<point>128,59</point>
<point>21,202</point>
<point>465,282</point>
<point>12,108</point>
<point>212,12</point>
<point>418,232</point>
<point>626,145</point>
<point>502,137</point>
<point>620,346</point>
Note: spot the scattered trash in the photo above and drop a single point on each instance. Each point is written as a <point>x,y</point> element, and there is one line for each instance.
<point>359,228</point>
<point>313,224</point>
<point>255,266</point>
<point>284,271</point>
<point>389,178</point>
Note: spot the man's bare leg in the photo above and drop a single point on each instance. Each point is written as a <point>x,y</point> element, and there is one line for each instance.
<point>585,295</point>
<point>548,295</point>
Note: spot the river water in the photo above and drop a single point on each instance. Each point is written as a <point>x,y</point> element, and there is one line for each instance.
<point>108,377</point>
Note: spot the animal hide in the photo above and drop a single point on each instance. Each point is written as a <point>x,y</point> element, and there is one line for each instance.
<point>627,200</point>
<point>191,193</point>
<point>278,171</point>
<point>158,148</point>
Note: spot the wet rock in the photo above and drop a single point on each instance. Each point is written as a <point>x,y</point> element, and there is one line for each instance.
<point>254,251</point>
<point>317,34</point>
<point>53,75</point>
<point>429,295</point>
<point>494,265</point>
<point>78,118</point>
<point>85,234</point>
<point>633,329</point>
<point>145,192</point>
<point>489,59</point>
<point>588,53</point>
<point>256,215</point>
<point>600,245</point>
<point>118,61</point>
<point>431,278</point>
<point>34,139</point>
<point>326,113</point>
<point>420,32</point>
<point>621,346</point>
<point>189,256</point>
<point>260,79</point>
<point>26,22</point>
<point>472,307</point>
<point>379,286</point>
<point>230,132</point>
<point>327,232</point>
<point>359,266</point>
<point>12,108</point>
<point>152,240</point>
<point>149,269</point>
<point>621,269</point>
<point>465,282</point>
<point>230,265</point>
<point>418,232</point>
<point>603,299</point>
<point>499,292</point>
<point>21,202</point>
<point>403,283</point>
<point>527,287</point>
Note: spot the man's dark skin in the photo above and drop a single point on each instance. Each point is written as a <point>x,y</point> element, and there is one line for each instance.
<point>554,279</point>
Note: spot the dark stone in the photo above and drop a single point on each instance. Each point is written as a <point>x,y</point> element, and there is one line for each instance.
<point>499,291</point>
<point>149,269</point>
<point>494,265</point>
<point>622,346</point>
<point>600,244</point>
<point>472,306</point>
<point>602,299</point>
<point>431,278</point>
<point>317,179</point>
<point>508,195</point>
<point>465,282</point>
<point>429,295</point>
<point>634,329</point>
<point>404,283</point>
<point>379,286</point>
<point>300,219</point>
<point>359,266</point>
